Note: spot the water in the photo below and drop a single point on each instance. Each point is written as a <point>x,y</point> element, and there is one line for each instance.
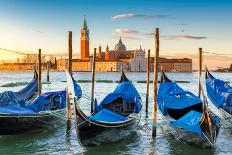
<point>55,141</point>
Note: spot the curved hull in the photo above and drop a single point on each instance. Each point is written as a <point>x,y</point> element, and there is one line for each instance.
<point>92,134</point>
<point>10,124</point>
<point>205,139</point>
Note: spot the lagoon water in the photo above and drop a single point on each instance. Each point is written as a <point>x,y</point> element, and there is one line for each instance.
<point>53,140</point>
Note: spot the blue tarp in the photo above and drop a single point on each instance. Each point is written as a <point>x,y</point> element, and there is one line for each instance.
<point>106,115</point>
<point>172,96</point>
<point>9,97</point>
<point>189,122</point>
<point>219,93</point>
<point>42,103</point>
<point>15,109</point>
<point>127,92</point>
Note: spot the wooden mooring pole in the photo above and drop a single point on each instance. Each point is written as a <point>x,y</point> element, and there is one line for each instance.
<point>39,73</point>
<point>93,79</point>
<point>199,71</point>
<point>156,61</point>
<point>148,80</point>
<point>69,67</point>
<point>48,65</point>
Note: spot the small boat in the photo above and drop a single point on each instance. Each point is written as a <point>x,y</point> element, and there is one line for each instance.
<point>187,115</point>
<point>43,111</point>
<point>114,119</point>
<point>220,94</point>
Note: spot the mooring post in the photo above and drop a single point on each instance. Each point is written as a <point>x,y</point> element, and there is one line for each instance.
<point>148,80</point>
<point>69,67</point>
<point>39,73</point>
<point>156,62</point>
<point>48,65</point>
<point>199,71</point>
<point>93,79</point>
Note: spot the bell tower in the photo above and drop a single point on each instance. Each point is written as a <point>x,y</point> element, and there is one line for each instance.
<point>84,41</point>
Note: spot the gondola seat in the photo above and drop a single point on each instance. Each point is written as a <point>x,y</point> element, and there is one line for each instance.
<point>106,115</point>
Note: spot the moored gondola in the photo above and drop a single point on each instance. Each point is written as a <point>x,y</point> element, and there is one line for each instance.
<point>220,94</point>
<point>44,111</point>
<point>188,116</point>
<point>114,119</point>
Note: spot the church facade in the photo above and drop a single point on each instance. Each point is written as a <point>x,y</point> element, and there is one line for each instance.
<point>108,60</point>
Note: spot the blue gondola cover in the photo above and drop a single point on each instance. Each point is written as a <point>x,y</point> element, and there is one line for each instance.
<point>172,96</point>
<point>219,93</point>
<point>42,103</point>
<point>189,122</point>
<point>128,92</point>
<point>106,115</point>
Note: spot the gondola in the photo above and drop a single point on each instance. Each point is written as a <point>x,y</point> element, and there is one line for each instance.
<point>187,115</point>
<point>220,94</point>
<point>45,110</point>
<point>114,119</point>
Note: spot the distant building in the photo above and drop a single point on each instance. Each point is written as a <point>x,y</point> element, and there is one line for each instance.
<point>17,66</point>
<point>173,65</point>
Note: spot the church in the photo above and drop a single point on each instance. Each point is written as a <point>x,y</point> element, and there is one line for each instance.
<point>108,60</point>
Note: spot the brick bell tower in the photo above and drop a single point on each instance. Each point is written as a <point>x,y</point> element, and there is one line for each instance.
<point>84,41</point>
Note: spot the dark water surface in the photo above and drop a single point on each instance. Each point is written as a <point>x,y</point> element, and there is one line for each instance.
<point>54,139</point>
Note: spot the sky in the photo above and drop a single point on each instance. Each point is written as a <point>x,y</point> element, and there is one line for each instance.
<point>185,25</point>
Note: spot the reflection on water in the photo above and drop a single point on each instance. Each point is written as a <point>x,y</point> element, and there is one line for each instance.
<point>56,139</point>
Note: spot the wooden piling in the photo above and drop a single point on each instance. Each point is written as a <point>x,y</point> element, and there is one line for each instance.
<point>48,65</point>
<point>69,67</point>
<point>93,79</point>
<point>199,71</point>
<point>156,61</point>
<point>148,80</point>
<point>39,73</point>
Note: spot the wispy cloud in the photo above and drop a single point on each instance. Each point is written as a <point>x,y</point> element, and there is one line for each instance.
<point>127,34</point>
<point>183,37</point>
<point>132,15</point>
<point>126,31</point>
<point>135,34</point>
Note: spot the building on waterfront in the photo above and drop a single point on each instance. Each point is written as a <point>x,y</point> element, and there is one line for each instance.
<point>172,65</point>
<point>16,66</point>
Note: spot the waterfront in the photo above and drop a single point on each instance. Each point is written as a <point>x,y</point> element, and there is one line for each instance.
<point>55,140</point>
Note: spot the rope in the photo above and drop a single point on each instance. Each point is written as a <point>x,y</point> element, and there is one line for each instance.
<point>28,53</point>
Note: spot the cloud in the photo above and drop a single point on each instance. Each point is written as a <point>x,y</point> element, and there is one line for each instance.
<point>127,34</point>
<point>126,31</point>
<point>135,34</point>
<point>131,15</point>
<point>183,37</point>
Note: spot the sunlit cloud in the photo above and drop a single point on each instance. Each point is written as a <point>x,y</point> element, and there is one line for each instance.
<point>127,34</point>
<point>183,37</point>
<point>132,15</point>
<point>126,31</point>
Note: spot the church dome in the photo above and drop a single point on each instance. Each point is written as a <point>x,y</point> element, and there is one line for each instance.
<point>120,47</point>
